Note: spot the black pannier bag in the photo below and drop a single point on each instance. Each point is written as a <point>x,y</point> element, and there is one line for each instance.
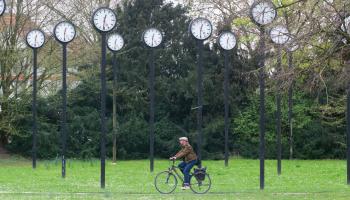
<point>200,173</point>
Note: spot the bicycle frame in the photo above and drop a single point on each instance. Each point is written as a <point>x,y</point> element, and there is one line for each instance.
<point>173,169</point>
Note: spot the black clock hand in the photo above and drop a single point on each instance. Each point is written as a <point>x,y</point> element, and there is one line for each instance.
<point>64,35</point>
<point>258,14</point>
<point>280,34</point>
<point>263,15</point>
<point>200,32</point>
<point>104,22</point>
<point>152,39</point>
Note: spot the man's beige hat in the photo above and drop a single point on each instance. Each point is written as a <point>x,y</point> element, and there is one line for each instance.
<point>183,138</point>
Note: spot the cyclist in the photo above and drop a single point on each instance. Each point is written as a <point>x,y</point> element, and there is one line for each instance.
<point>189,160</point>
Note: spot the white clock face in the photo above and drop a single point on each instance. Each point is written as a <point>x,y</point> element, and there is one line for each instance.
<point>64,32</point>
<point>201,28</point>
<point>346,25</point>
<point>279,35</point>
<point>35,39</point>
<point>2,7</point>
<point>152,37</point>
<point>104,19</point>
<point>227,40</point>
<point>115,42</point>
<point>292,46</point>
<point>263,12</point>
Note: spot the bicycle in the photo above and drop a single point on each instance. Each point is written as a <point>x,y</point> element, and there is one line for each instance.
<point>166,181</point>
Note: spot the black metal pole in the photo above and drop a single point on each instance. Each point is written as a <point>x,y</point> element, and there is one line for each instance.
<point>114,106</point>
<point>103,110</point>
<point>226,102</point>
<point>261,66</point>
<point>64,109</point>
<point>290,107</point>
<point>35,129</point>
<point>348,133</point>
<point>151,119</point>
<point>200,99</point>
<point>278,113</point>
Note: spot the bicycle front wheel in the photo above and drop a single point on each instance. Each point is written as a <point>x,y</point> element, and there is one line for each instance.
<point>200,186</point>
<point>165,182</point>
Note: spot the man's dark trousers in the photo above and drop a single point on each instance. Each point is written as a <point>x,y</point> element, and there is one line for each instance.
<point>185,169</point>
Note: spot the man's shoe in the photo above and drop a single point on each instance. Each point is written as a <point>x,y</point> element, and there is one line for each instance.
<point>185,187</point>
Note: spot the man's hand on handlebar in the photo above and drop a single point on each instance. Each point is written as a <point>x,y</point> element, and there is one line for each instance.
<point>172,158</point>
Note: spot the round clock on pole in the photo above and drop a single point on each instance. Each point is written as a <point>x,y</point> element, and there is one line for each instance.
<point>263,12</point>
<point>201,29</point>
<point>152,38</point>
<point>279,35</point>
<point>64,33</point>
<point>292,46</point>
<point>104,20</point>
<point>35,39</point>
<point>115,42</point>
<point>227,40</point>
<point>346,25</point>
<point>2,7</point>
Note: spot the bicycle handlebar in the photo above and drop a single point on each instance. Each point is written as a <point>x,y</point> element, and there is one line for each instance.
<point>174,160</point>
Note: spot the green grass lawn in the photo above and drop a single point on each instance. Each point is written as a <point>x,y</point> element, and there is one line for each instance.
<point>310,179</point>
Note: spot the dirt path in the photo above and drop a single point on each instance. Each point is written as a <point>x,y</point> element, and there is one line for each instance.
<point>3,152</point>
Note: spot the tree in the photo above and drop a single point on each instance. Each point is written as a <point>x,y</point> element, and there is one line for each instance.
<point>15,60</point>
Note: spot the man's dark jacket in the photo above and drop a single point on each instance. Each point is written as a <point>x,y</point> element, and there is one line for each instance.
<point>187,153</point>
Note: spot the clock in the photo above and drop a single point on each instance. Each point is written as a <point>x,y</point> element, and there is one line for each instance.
<point>263,12</point>
<point>2,7</point>
<point>152,37</point>
<point>292,46</point>
<point>346,25</point>
<point>201,28</point>
<point>227,40</point>
<point>115,42</point>
<point>64,32</point>
<point>35,38</point>
<point>279,34</point>
<point>104,19</point>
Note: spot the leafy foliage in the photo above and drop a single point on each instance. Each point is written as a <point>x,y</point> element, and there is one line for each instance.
<point>318,127</point>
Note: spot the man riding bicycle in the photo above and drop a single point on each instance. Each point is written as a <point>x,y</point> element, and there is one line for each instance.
<point>190,159</point>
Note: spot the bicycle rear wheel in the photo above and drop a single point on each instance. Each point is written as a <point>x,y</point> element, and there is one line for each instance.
<point>165,182</point>
<point>200,186</point>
